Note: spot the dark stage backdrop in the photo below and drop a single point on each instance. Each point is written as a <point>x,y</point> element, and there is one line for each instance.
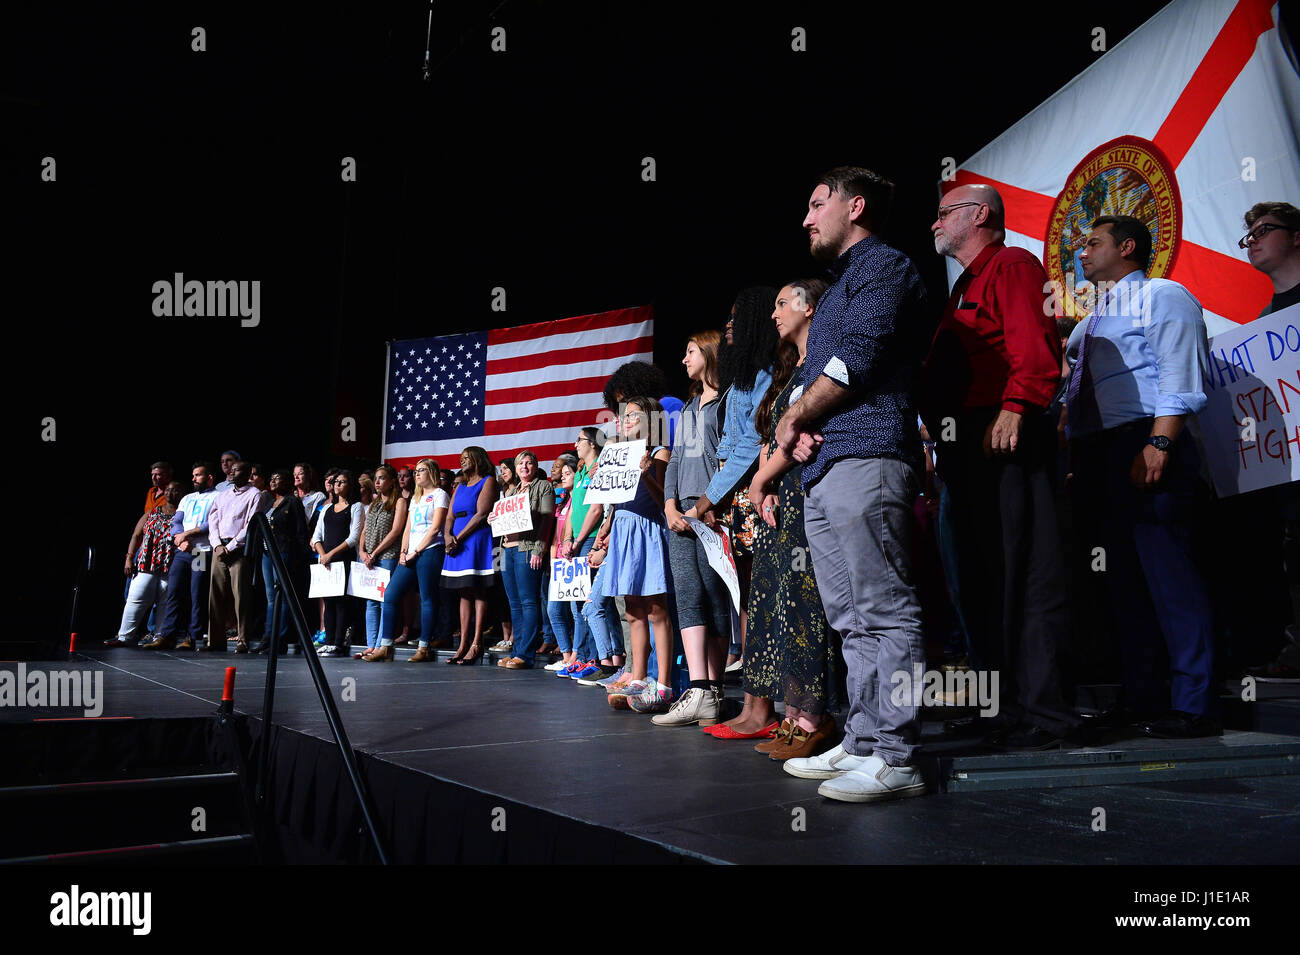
<point>520,169</point>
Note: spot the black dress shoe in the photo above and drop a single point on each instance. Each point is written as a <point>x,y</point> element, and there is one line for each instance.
<point>1030,738</point>
<point>1180,725</point>
<point>979,726</point>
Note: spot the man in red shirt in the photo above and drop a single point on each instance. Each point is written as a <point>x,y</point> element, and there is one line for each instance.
<point>992,371</point>
<point>160,474</point>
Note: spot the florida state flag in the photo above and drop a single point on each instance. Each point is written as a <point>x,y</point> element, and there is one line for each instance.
<point>1186,124</point>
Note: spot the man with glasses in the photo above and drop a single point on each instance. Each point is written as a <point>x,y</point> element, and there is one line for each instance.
<point>1273,246</point>
<point>991,373</point>
<point>1137,378</point>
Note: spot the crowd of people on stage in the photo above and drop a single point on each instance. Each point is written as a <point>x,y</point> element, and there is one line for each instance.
<point>899,497</point>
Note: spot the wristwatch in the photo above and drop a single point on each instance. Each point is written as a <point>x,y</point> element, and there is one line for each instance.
<point>1160,442</point>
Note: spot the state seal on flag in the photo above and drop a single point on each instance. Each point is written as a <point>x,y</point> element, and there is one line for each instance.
<point>1128,176</point>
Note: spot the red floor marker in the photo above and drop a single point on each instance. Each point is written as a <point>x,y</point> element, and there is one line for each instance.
<point>72,643</point>
<point>228,694</point>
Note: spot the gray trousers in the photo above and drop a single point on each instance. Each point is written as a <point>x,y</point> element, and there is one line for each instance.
<point>859,523</point>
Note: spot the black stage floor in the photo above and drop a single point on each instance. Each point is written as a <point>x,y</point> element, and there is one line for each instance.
<point>541,742</point>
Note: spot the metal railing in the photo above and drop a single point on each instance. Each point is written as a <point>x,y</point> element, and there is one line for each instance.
<point>287,597</point>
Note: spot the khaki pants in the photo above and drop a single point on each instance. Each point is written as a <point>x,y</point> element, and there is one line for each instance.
<point>229,585</point>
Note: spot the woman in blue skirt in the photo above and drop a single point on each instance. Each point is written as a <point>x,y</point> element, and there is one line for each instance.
<point>637,563</point>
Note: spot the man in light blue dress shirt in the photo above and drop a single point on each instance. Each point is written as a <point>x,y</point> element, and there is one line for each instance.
<point>1136,381</point>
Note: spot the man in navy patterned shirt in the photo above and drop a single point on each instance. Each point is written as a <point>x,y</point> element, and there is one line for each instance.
<point>854,426</point>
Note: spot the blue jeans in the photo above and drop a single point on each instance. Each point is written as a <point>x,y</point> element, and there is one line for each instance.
<point>601,616</point>
<point>582,638</point>
<point>375,608</point>
<point>272,586</point>
<point>561,615</point>
<point>183,581</point>
<point>544,602</point>
<point>522,589</point>
<point>428,576</point>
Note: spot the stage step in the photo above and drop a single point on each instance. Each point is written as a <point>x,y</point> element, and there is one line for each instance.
<point>223,850</point>
<point>67,819</point>
<point>1235,754</point>
<point>88,791</point>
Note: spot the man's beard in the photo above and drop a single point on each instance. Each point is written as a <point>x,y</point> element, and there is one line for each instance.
<point>822,249</point>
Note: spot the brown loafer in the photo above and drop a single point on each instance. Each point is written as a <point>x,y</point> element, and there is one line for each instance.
<point>378,655</point>
<point>803,744</point>
<point>422,655</point>
<point>161,643</point>
<point>186,644</point>
<point>779,739</point>
<point>517,663</point>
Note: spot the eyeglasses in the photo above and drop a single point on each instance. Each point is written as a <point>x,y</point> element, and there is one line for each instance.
<point>1257,234</point>
<point>421,471</point>
<point>582,438</point>
<point>945,211</point>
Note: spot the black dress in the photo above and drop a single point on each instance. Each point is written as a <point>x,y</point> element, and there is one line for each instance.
<point>807,642</point>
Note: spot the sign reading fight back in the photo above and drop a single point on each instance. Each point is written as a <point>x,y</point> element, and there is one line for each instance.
<point>511,515</point>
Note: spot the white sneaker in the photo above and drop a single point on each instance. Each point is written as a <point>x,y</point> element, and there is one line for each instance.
<point>828,765</point>
<point>693,706</point>
<point>557,665</point>
<point>874,781</point>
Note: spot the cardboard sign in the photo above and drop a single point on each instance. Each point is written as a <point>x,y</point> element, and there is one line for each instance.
<point>1250,427</point>
<point>511,515</point>
<point>718,548</point>
<point>327,581</point>
<point>618,472</point>
<point>367,582</point>
<point>570,579</point>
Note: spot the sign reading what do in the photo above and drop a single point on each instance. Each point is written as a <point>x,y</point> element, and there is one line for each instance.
<point>1250,427</point>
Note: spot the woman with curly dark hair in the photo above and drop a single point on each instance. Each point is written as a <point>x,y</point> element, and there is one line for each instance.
<point>745,372</point>
<point>643,378</point>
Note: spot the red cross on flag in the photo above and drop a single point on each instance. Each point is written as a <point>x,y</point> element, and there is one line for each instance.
<point>1185,124</point>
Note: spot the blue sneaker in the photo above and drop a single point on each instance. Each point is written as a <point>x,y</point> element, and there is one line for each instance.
<point>319,639</point>
<point>589,668</point>
<point>568,671</point>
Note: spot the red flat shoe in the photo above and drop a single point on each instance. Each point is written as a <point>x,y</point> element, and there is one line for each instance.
<point>723,731</point>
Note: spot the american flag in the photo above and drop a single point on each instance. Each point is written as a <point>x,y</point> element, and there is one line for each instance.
<point>509,389</point>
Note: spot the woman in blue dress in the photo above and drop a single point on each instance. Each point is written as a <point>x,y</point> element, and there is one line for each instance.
<point>468,566</point>
<point>636,565</point>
